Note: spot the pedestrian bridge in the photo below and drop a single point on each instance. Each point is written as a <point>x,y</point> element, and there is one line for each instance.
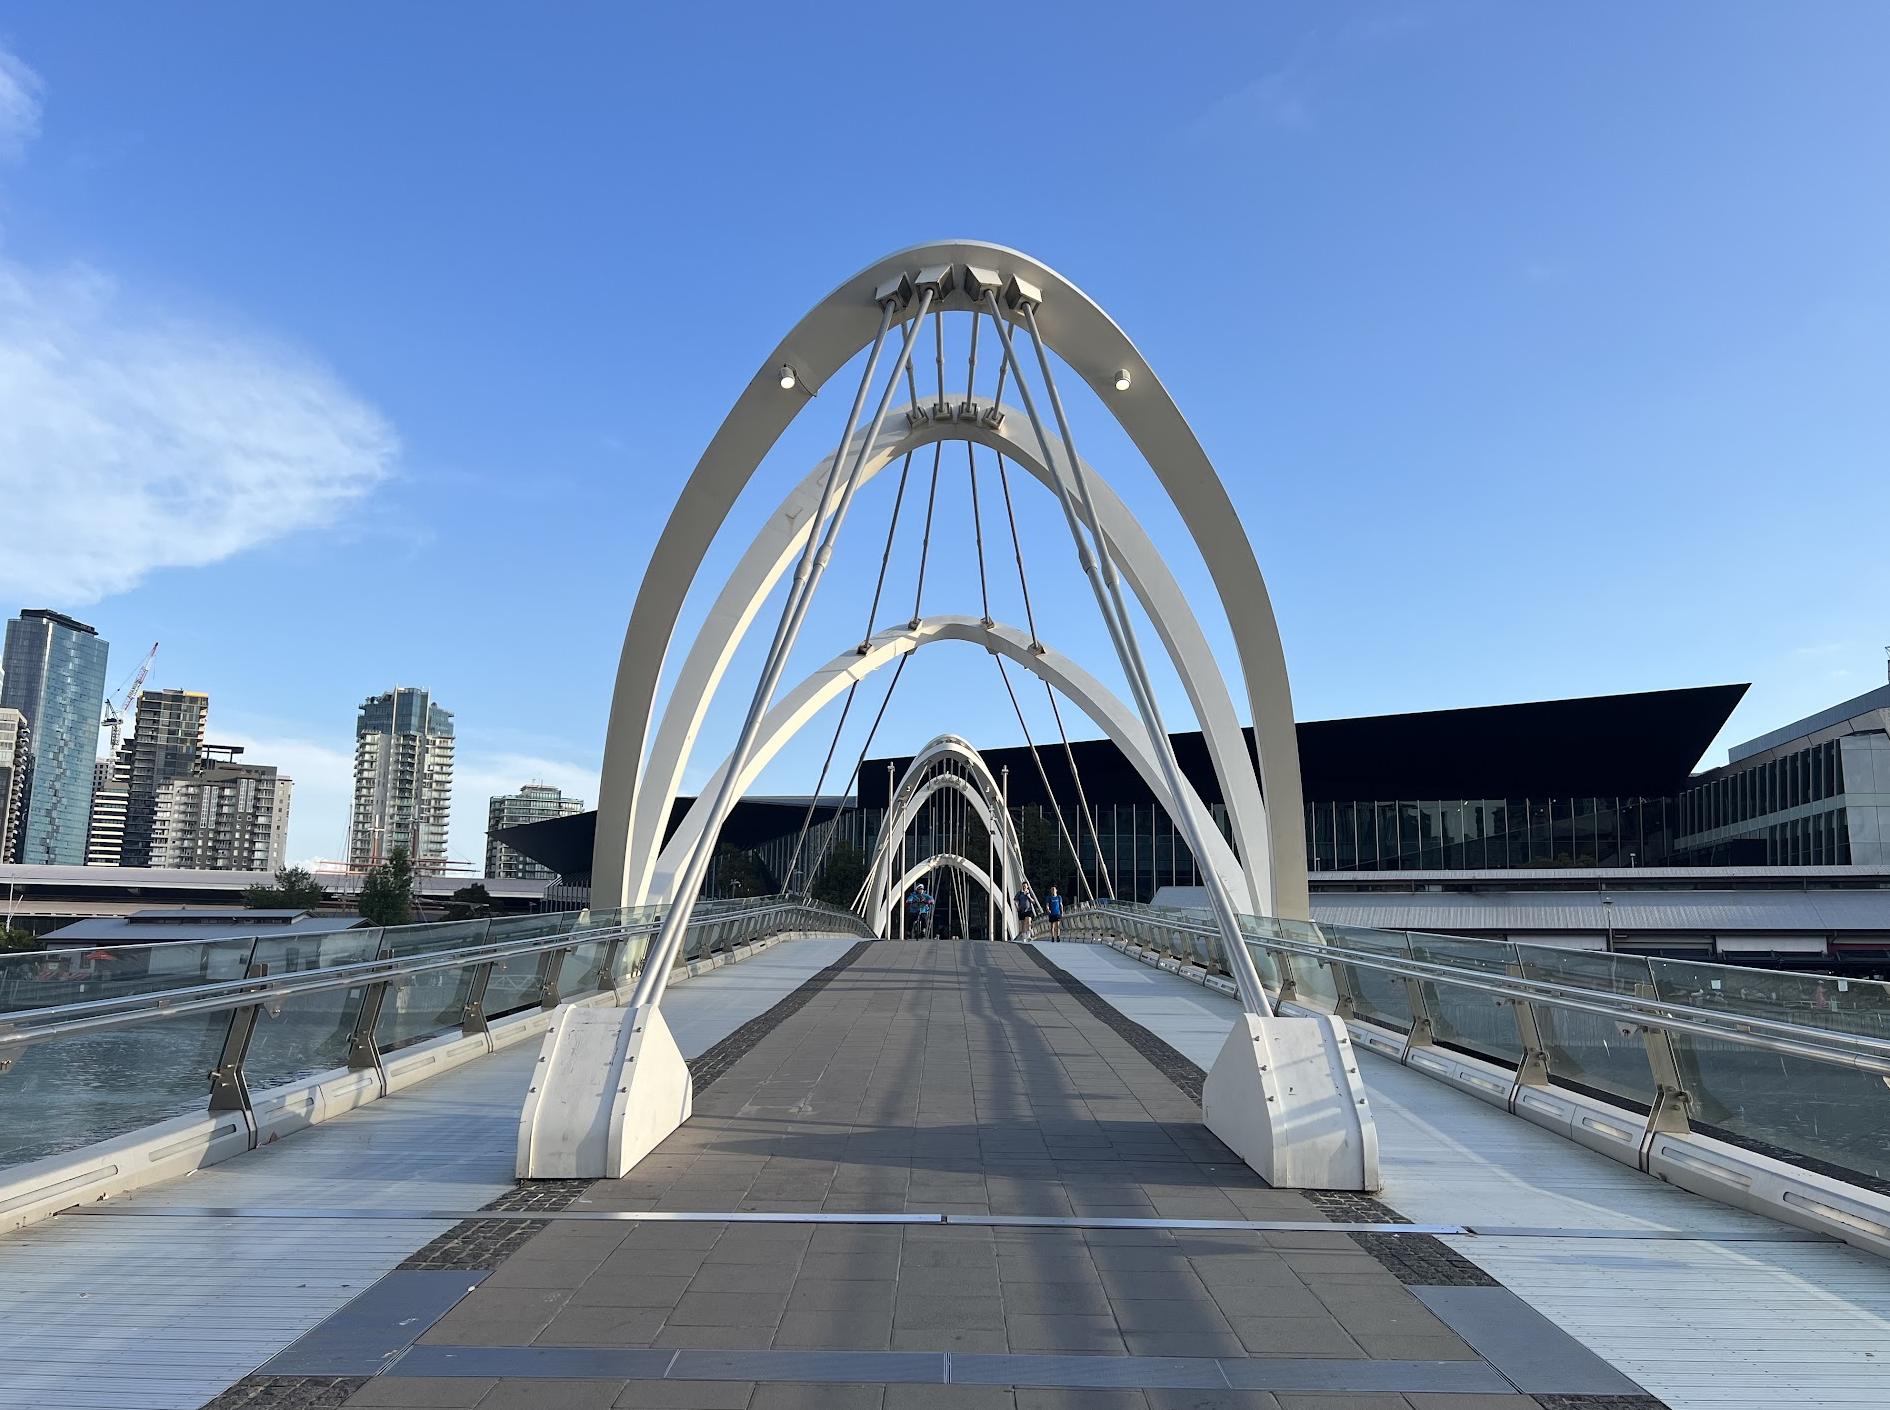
<point>930,1171</point>
<point>676,1151</point>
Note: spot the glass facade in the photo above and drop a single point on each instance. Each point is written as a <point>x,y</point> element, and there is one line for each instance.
<point>1454,834</point>
<point>1788,809</point>
<point>55,676</point>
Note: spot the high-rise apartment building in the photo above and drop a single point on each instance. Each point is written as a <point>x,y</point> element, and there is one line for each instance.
<point>52,670</point>
<point>532,803</point>
<point>166,744</point>
<point>230,817</point>
<point>403,780</point>
<point>105,835</point>
<point>16,776</point>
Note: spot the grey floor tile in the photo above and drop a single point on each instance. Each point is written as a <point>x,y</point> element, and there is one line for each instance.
<point>716,1338</point>
<point>603,1326</point>
<point>818,1397</point>
<point>1211,1400</point>
<point>721,1309</point>
<point>910,1397</point>
<point>552,1395</point>
<point>938,1310</point>
<point>1053,1398</point>
<point>840,1329</point>
<point>1063,1332</point>
<point>1294,1336</point>
<point>630,1290</point>
<point>421,1393</point>
<point>685,1395</point>
<point>971,1340</point>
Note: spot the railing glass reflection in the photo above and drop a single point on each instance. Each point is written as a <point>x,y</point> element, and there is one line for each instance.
<point>1796,1067</point>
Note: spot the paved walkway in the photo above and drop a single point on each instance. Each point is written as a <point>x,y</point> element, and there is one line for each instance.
<point>942,1081</point>
<point>1705,1324</point>
<point>163,1313</point>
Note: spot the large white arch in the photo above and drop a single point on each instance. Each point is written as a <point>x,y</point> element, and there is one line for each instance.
<point>779,543</point>
<point>1091,344</point>
<point>918,785</point>
<point>880,918</point>
<point>793,711</point>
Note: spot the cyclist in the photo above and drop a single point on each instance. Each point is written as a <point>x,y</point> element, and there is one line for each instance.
<point>919,911</point>
<point>1053,907</point>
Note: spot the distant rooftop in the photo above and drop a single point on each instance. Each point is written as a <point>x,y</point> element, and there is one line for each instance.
<point>1878,699</point>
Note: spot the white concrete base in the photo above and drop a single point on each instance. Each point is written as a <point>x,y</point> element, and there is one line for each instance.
<point>610,1085</point>
<point>1286,1096</point>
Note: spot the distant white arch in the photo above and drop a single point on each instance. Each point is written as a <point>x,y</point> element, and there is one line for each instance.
<point>881,918</point>
<point>1082,689</point>
<point>1091,344</point>
<point>917,787</point>
<point>779,543</point>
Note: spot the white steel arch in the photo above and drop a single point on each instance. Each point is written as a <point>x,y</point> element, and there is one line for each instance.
<point>981,789</point>
<point>1091,344</point>
<point>1082,689</point>
<point>881,916</point>
<point>779,542</point>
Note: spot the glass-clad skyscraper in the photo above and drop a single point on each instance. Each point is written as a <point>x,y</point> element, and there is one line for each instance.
<point>55,676</point>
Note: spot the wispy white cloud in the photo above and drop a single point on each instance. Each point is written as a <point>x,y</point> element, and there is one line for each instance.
<point>19,105</point>
<point>1280,99</point>
<point>133,438</point>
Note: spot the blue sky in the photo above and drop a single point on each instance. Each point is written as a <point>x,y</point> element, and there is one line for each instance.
<point>1544,350</point>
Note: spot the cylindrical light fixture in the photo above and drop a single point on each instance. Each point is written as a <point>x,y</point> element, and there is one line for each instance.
<point>788,379</point>
<point>1122,379</point>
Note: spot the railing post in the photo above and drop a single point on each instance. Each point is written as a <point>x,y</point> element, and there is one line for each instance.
<point>549,963</point>
<point>364,1049</point>
<point>1344,997</point>
<point>1532,1069</point>
<point>229,1085</point>
<point>1670,1112</point>
<point>1423,1032</point>
<point>473,1016</point>
<point>607,969</point>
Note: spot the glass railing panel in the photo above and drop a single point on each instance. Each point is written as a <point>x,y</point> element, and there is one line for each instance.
<point>629,960</point>
<point>308,1033</point>
<point>86,974</point>
<point>1482,1024</point>
<point>407,940</point>
<point>1377,995</point>
<point>1589,1052</point>
<point>1811,1113</point>
<point>581,969</point>
<point>69,1092</point>
<point>1829,1118</point>
<point>425,1005</point>
<point>502,928</point>
<point>512,986</point>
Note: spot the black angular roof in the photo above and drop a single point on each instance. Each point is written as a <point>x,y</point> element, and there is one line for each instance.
<point>1640,745</point>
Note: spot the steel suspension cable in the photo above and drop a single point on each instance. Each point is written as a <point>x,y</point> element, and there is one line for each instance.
<point>814,560</point>
<point>1099,569</point>
<point>807,819</point>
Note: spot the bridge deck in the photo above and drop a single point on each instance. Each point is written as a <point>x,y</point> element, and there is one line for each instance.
<point>922,1081</point>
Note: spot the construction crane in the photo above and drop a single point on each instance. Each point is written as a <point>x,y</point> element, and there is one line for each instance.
<point>115,714</point>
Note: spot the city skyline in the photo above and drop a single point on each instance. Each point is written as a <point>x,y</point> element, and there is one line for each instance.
<point>1514,459</point>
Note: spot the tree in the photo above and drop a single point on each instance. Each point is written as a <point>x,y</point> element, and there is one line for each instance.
<point>739,874</point>
<point>295,889</point>
<point>18,940</point>
<point>840,875</point>
<point>387,891</point>
<point>469,902</point>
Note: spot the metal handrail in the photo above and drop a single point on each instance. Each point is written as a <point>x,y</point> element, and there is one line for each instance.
<point>1833,1046</point>
<point>25,1027</point>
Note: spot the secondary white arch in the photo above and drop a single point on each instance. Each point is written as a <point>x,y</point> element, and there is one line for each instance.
<point>919,785</point>
<point>778,545</point>
<point>1095,348</point>
<point>801,704</point>
<point>881,918</point>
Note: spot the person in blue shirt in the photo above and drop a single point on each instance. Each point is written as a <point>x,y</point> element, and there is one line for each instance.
<point>1053,907</point>
<point>919,903</point>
